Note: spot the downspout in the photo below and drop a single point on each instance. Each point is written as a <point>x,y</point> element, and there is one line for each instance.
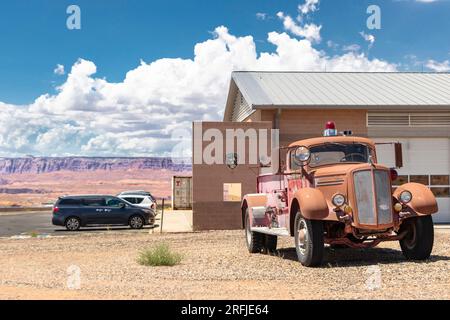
<point>276,120</point>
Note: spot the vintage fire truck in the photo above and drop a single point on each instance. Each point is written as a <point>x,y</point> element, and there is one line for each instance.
<point>331,190</point>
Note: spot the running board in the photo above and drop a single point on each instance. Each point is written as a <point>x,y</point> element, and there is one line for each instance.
<point>272,231</point>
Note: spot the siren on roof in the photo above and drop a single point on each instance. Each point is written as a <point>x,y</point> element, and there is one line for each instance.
<point>330,129</point>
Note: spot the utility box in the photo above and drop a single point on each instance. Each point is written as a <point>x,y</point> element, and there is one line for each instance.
<point>181,193</point>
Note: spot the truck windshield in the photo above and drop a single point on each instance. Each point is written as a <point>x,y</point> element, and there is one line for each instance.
<point>333,153</point>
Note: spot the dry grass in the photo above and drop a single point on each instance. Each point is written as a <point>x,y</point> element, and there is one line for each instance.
<point>161,255</point>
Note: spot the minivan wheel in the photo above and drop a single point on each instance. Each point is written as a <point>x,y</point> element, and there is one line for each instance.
<point>73,224</point>
<point>136,222</point>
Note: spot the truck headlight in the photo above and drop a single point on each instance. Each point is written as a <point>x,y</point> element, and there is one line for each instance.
<point>405,197</point>
<point>338,200</point>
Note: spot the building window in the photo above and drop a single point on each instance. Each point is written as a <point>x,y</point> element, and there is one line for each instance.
<point>439,184</point>
<point>439,180</point>
<point>232,192</point>
<point>400,180</point>
<point>422,179</point>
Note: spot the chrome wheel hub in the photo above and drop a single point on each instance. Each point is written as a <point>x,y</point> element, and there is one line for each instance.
<point>248,232</point>
<point>136,222</point>
<point>73,224</point>
<point>302,236</point>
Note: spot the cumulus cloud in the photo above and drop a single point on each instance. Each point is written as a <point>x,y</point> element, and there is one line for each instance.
<point>438,66</point>
<point>308,6</point>
<point>300,28</point>
<point>151,111</point>
<point>309,31</point>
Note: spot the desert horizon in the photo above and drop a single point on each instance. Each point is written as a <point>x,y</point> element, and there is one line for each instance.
<point>39,181</point>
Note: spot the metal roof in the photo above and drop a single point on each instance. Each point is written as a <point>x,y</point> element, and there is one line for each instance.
<point>342,89</point>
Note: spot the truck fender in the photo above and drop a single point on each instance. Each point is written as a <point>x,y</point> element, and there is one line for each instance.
<point>312,203</point>
<point>423,200</point>
<point>251,201</point>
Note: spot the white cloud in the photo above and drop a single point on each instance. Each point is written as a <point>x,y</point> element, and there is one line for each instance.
<point>59,70</point>
<point>308,6</point>
<point>309,31</point>
<point>139,116</point>
<point>438,66</point>
<point>427,1</point>
<point>370,38</point>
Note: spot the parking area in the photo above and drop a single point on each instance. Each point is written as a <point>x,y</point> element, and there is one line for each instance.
<point>38,223</point>
<point>215,265</point>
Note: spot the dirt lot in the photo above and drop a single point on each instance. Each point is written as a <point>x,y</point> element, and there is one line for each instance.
<point>216,265</point>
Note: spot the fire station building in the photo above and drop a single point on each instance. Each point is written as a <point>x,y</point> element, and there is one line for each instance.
<point>411,108</point>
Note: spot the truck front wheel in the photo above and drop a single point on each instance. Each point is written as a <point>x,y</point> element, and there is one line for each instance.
<point>309,242</point>
<point>418,241</point>
<point>255,240</point>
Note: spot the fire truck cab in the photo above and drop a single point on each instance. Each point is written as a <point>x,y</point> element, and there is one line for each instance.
<point>331,190</point>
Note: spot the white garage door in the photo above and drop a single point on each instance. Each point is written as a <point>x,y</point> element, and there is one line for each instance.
<point>426,161</point>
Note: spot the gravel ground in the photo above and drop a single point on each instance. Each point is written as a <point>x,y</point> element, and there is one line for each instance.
<point>216,265</point>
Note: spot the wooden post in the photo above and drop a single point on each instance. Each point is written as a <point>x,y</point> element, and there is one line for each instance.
<point>162,216</point>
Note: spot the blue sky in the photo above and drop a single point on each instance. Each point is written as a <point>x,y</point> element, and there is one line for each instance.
<point>117,34</point>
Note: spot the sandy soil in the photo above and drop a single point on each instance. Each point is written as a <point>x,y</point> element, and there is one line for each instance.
<point>47,187</point>
<point>216,265</point>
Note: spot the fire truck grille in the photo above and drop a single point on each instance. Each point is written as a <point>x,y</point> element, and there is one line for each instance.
<point>374,206</point>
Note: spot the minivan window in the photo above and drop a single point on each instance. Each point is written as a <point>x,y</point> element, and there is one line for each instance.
<point>130,200</point>
<point>94,202</point>
<point>113,202</point>
<point>70,202</point>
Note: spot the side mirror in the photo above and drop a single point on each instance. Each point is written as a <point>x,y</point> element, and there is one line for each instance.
<point>398,155</point>
<point>302,156</point>
<point>122,205</point>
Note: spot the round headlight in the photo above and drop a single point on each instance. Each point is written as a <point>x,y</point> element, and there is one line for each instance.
<point>302,154</point>
<point>405,197</point>
<point>338,200</point>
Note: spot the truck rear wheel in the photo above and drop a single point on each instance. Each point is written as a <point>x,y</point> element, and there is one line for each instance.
<point>418,242</point>
<point>270,243</point>
<point>255,240</point>
<point>309,242</point>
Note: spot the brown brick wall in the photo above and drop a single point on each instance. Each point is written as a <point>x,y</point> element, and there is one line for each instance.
<point>210,212</point>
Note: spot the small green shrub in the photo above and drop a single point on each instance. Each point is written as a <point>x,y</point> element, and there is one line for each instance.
<point>161,255</point>
<point>33,234</point>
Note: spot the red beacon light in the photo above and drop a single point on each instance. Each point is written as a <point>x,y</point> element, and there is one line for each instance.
<point>330,129</point>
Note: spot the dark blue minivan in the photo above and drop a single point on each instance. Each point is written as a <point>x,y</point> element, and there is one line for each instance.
<point>74,212</point>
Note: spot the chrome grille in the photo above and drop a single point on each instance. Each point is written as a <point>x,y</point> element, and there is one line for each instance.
<point>384,197</point>
<point>364,197</point>
<point>368,207</point>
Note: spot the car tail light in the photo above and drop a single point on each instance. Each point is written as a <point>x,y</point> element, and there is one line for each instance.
<point>153,206</point>
<point>394,174</point>
<point>55,210</point>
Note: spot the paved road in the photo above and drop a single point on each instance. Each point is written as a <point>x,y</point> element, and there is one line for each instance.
<point>12,224</point>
